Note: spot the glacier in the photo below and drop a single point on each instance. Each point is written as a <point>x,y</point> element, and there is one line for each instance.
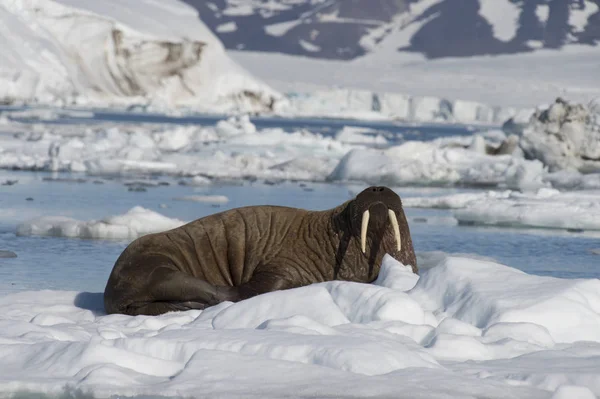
<point>91,53</point>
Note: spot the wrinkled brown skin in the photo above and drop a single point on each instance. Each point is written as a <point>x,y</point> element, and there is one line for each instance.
<point>243,252</point>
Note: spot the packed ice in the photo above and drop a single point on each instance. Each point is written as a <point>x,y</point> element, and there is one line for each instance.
<point>463,328</point>
<point>235,148</point>
<point>544,208</point>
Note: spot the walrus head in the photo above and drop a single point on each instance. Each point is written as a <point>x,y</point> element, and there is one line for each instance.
<point>376,220</point>
<point>377,208</point>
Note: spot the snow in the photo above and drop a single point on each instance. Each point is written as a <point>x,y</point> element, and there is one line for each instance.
<point>464,328</point>
<point>544,208</point>
<point>109,53</point>
<point>542,11</point>
<point>227,27</point>
<point>308,46</point>
<point>497,81</point>
<point>503,15</point>
<point>281,28</point>
<point>136,222</point>
<point>365,104</point>
<point>578,17</point>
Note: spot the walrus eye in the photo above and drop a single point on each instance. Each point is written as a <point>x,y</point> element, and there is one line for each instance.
<point>396,228</point>
<point>363,230</point>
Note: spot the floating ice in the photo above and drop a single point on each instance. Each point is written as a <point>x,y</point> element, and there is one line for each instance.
<point>464,328</point>
<point>136,222</point>
<point>210,199</point>
<point>546,208</point>
<point>417,162</point>
<point>236,149</point>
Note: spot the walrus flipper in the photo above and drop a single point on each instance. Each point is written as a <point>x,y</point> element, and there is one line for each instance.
<point>165,289</point>
<point>264,279</point>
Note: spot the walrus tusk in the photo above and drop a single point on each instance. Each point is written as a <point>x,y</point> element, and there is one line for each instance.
<point>396,229</point>
<point>363,230</point>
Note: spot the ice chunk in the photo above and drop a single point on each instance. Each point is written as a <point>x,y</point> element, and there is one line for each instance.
<point>136,222</point>
<point>546,208</point>
<point>565,136</point>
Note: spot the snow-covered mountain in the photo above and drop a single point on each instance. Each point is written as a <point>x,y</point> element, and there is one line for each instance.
<point>115,52</point>
<point>346,29</point>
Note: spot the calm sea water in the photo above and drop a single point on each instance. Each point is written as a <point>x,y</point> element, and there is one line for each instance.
<point>84,265</point>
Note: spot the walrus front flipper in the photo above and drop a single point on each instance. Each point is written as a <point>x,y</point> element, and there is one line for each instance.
<point>265,279</point>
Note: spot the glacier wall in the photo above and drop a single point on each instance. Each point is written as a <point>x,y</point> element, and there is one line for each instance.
<point>87,52</point>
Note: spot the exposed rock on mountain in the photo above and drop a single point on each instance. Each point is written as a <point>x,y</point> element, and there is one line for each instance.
<point>346,29</point>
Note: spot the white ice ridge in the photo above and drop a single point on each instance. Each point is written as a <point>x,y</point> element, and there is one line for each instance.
<point>366,104</point>
<point>565,136</point>
<point>136,222</point>
<point>465,328</point>
<point>112,52</point>
<point>544,208</point>
<point>439,162</point>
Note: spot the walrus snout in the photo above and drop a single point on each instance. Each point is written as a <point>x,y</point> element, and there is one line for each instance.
<point>379,208</point>
<point>383,215</point>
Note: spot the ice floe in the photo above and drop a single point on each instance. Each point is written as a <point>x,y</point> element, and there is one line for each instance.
<point>464,328</point>
<point>209,199</point>
<point>109,53</point>
<point>136,222</point>
<point>417,162</point>
<point>236,149</point>
<point>544,208</point>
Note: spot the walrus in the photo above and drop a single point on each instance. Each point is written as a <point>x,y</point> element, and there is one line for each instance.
<point>243,252</point>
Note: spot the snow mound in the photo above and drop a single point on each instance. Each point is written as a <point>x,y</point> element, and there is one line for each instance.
<point>105,53</point>
<point>136,222</point>
<point>565,136</point>
<point>545,208</point>
<point>464,328</point>
<point>477,293</point>
<point>417,162</point>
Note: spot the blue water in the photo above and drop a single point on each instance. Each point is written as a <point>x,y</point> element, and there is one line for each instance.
<point>84,265</point>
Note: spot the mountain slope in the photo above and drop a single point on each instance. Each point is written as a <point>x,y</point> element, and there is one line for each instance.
<point>346,29</point>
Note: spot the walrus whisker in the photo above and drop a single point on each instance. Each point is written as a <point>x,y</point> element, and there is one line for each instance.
<point>363,231</point>
<point>396,228</point>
